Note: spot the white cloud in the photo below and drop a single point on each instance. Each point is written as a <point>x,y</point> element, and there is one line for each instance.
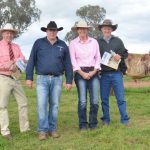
<point>131,16</point>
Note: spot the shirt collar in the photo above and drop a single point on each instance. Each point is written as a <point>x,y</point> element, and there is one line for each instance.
<point>107,40</point>
<point>57,41</point>
<point>87,41</point>
<point>5,42</point>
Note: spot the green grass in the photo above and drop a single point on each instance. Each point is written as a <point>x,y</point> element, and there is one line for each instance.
<point>115,137</point>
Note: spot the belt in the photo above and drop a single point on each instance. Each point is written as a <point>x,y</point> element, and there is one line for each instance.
<point>7,76</point>
<point>87,69</point>
<point>51,74</point>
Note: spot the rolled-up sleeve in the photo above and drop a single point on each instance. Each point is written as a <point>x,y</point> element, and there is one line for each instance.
<point>97,56</point>
<point>19,53</point>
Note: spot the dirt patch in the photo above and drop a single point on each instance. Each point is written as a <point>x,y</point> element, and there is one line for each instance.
<point>138,84</point>
<point>133,84</point>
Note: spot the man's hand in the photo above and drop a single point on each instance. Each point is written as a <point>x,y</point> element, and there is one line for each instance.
<point>29,83</point>
<point>8,65</point>
<point>116,57</point>
<point>68,86</point>
<point>13,68</point>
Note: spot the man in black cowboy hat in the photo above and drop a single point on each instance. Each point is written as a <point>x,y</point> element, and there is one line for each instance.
<point>51,58</point>
<point>112,77</point>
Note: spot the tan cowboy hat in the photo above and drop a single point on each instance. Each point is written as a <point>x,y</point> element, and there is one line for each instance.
<point>8,27</point>
<point>81,24</point>
<point>108,23</point>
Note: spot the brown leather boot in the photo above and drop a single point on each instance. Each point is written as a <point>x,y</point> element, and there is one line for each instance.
<point>54,134</point>
<point>8,136</point>
<point>42,136</point>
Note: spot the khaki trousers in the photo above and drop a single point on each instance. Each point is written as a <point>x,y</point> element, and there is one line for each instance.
<point>10,86</point>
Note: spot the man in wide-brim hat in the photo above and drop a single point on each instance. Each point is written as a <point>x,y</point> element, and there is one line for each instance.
<point>51,26</point>
<point>108,23</point>
<point>112,78</point>
<point>8,27</point>
<point>9,54</point>
<point>50,57</point>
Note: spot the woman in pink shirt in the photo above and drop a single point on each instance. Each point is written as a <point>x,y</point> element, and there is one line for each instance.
<point>85,58</point>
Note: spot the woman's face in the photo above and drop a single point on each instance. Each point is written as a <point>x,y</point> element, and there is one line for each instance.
<point>82,32</point>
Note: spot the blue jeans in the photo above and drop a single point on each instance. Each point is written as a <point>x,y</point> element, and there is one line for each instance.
<point>83,86</point>
<point>114,80</point>
<point>48,97</point>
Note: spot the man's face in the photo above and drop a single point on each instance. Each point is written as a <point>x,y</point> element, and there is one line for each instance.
<point>8,35</point>
<point>106,31</point>
<point>51,34</point>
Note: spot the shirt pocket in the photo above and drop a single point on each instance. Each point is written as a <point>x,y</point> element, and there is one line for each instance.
<point>60,53</point>
<point>60,58</point>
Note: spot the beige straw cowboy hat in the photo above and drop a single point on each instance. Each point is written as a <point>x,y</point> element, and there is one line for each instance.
<point>8,27</point>
<point>81,24</point>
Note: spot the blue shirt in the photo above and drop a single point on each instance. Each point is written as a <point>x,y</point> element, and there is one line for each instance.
<point>49,59</point>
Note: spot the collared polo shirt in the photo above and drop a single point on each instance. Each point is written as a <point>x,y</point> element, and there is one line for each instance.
<point>49,59</point>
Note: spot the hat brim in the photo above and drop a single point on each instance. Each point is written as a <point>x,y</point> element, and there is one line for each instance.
<point>114,27</point>
<point>75,28</point>
<point>3,30</point>
<point>45,29</point>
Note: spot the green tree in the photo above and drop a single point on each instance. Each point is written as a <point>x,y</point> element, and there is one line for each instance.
<point>93,15</point>
<point>20,13</point>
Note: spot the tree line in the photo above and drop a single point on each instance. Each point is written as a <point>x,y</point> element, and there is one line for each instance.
<point>22,13</point>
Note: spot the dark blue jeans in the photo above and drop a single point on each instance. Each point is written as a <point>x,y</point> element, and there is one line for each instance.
<point>114,80</point>
<point>84,86</point>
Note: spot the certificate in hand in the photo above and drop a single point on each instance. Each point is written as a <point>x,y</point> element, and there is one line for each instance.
<point>21,67</point>
<point>108,60</point>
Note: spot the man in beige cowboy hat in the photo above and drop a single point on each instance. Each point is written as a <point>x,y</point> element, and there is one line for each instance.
<point>9,54</point>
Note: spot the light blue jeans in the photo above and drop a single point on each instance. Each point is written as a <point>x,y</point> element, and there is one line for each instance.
<point>48,96</point>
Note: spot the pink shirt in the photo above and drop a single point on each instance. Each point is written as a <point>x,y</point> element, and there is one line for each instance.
<point>4,55</point>
<point>85,54</point>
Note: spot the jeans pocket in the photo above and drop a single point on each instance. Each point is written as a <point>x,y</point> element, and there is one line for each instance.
<point>40,79</point>
<point>58,80</point>
<point>99,75</point>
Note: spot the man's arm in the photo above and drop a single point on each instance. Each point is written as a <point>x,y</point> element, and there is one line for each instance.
<point>68,67</point>
<point>31,64</point>
<point>123,52</point>
<point>8,67</point>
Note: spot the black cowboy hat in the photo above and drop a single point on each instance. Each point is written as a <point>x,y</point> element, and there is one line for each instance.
<point>52,25</point>
<point>108,23</point>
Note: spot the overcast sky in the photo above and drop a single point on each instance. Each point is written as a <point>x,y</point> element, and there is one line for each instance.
<point>132,17</point>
